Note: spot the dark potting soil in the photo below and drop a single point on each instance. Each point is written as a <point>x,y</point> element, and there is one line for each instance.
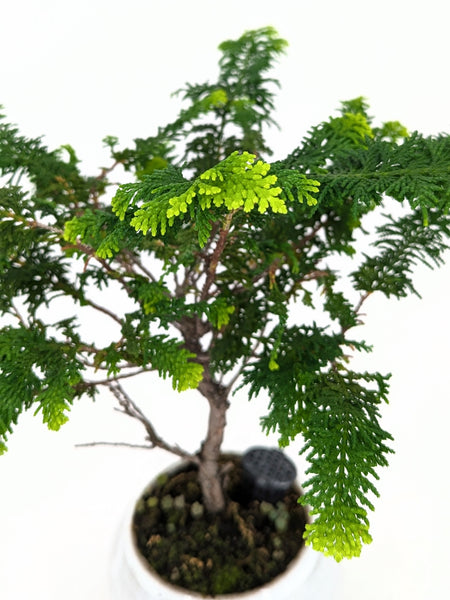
<point>246,547</point>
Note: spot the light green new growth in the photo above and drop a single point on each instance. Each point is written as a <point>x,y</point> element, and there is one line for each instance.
<point>237,182</point>
<point>338,532</point>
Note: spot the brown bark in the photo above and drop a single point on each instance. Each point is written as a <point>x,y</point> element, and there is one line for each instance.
<point>193,329</point>
<point>209,474</point>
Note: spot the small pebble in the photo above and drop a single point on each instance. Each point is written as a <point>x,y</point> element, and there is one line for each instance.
<point>171,528</point>
<point>179,502</point>
<point>197,510</point>
<point>278,555</point>
<point>265,507</point>
<point>152,502</point>
<point>166,502</point>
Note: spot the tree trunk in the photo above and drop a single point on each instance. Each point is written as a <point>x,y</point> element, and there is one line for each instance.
<point>209,474</point>
<point>210,478</point>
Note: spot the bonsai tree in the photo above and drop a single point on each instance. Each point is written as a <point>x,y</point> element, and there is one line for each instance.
<point>229,261</point>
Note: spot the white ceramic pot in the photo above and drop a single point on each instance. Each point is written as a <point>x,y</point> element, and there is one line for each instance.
<point>309,576</point>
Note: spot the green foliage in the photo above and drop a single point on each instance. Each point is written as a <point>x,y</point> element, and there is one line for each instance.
<point>302,351</point>
<point>230,114</point>
<point>219,313</point>
<point>168,358</point>
<point>338,416</point>
<point>150,200</point>
<point>295,185</point>
<point>229,284</point>
<point>101,231</point>
<point>344,445</point>
<point>36,369</point>
<point>404,243</point>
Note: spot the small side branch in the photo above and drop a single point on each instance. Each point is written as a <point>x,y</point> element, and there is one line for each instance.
<point>90,253</point>
<point>363,298</point>
<point>33,224</point>
<point>17,314</point>
<point>246,361</point>
<point>215,257</point>
<point>107,170</point>
<point>361,301</point>
<point>104,310</point>
<point>130,408</point>
<point>108,382</point>
<point>134,259</point>
<point>310,236</point>
<point>357,309</point>
<point>84,248</point>
<point>117,444</point>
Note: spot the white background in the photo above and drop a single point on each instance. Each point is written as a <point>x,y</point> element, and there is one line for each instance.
<point>77,71</point>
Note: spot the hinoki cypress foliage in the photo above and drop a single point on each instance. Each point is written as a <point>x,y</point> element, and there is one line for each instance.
<point>222,253</point>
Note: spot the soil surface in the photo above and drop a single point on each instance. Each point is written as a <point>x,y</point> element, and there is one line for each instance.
<point>243,548</point>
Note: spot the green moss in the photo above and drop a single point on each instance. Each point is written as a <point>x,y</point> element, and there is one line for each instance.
<point>227,579</point>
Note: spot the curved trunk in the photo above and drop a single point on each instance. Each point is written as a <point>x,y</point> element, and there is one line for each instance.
<point>210,478</point>
<point>209,474</point>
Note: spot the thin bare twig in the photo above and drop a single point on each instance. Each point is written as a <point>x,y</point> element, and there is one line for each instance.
<point>18,315</point>
<point>104,310</point>
<point>110,381</point>
<point>363,298</point>
<point>361,301</point>
<point>131,409</point>
<point>135,260</point>
<point>123,444</point>
<point>357,309</point>
<point>106,170</point>
<point>89,251</point>
<point>317,274</point>
<point>301,243</point>
<point>33,224</point>
<point>245,362</point>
